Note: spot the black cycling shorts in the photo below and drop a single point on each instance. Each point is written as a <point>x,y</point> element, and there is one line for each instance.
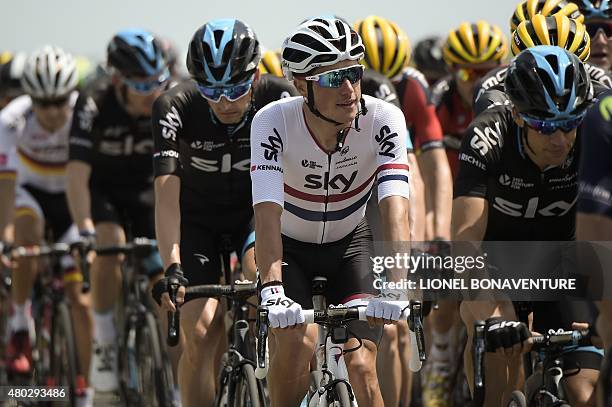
<point>54,207</point>
<point>130,207</point>
<point>206,235</point>
<point>345,263</point>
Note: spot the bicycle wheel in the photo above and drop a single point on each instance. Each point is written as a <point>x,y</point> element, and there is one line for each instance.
<point>517,399</point>
<point>64,358</point>
<point>341,395</point>
<point>41,353</point>
<point>152,373</point>
<point>246,389</point>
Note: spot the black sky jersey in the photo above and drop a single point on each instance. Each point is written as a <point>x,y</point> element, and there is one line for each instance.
<point>524,203</point>
<point>212,159</point>
<point>596,170</point>
<point>116,145</point>
<point>489,90</point>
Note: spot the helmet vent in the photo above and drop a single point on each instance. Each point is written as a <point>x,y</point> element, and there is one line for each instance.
<point>218,34</point>
<point>309,42</point>
<point>553,62</point>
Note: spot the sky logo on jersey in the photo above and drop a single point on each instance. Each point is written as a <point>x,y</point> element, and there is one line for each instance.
<point>530,210</point>
<point>272,149</point>
<point>339,181</point>
<point>484,140</point>
<point>383,138</point>
<point>170,124</point>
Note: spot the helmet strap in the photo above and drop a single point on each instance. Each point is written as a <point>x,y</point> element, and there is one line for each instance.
<point>311,105</point>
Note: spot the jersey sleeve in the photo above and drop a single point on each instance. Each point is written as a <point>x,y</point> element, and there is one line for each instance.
<point>421,117</point>
<point>267,146</point>
<point>480,148</point>
<point>595,193</point>
<point>392,158</point>
<point>167,125</point>
<point>81,131</point>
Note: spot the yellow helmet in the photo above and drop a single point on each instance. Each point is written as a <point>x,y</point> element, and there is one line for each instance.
<point>553,30</point>
<point>387,48</point>
<point>5,57</point>
<point>270,63</point>
<point>529,8</point>
<point>474,43</point>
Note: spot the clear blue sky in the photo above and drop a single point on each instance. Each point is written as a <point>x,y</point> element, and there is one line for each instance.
<point>84,27</point>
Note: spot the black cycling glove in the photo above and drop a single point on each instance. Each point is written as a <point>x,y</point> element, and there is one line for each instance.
<point>174,273</point>
<point>500,333</point>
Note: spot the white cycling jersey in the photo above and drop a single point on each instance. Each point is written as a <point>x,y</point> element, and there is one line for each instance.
<point>37,156</point>
<point>324,195</point>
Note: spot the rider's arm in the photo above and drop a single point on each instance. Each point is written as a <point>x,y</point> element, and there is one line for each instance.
<point>8,174</point>
<point>267,184</point>
<point>168,218</point>
<point>78,170</point>
<point>437,175</point>
<point>393,179</point>
<point>167,170</point>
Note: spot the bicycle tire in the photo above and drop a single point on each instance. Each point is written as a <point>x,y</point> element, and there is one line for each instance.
<point>341,394</point>
<point>148,347</point>
<point>64,363</point>
<point>517,399</point>
<point>246,389</point>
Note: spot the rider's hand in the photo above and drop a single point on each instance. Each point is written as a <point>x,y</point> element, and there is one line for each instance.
<point>283,312</point>
<point>173,275</point>
<point>386,307</point>
<point>595,338</point>
<point>506,337</point>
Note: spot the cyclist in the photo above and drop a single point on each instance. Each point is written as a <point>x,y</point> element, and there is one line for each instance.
<point>388,52</point>
<point>512,156</point>
<point>556,30</point>
<point>593,221</point>
<point>467,63</point>
<point>33,154</point>
<point>110,176</point>
<point>202,183</point>
<point>322,227</point>
<point>428,59</point>
<point>598,20</point>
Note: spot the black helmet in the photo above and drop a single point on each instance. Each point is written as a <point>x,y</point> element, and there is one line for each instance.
<point>427,56</point>
<point>223,52</point>
<point>136,52</point>
<point>548,82</point>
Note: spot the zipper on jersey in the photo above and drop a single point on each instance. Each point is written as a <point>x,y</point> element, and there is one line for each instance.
<point>329,157</point>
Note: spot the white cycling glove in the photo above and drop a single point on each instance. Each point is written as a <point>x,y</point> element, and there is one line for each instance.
<point>282,310</point>
<point>388,305</point>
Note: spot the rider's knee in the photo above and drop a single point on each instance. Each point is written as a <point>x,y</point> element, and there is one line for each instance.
<point>362,363</point>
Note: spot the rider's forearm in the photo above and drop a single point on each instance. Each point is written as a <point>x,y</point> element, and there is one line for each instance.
<point>394,218</point>
<point>168,218</point>
<point>78,194</point>
<point>7,207</point>
<point>268,242</point>
<point>439,177</point>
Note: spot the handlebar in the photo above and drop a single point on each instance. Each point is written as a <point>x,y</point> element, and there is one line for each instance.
<point>240,289</point>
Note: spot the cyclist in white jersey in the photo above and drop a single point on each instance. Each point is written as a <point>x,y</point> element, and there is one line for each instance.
<point>33,154</point>
<point>318,157</point>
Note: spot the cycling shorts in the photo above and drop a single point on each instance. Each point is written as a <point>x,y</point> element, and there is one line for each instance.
<point>345,263</point>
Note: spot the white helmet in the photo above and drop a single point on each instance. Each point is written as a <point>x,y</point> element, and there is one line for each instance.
<point>49,73</point>
<point>320,42</point>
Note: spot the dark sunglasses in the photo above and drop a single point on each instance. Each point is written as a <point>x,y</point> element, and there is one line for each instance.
<point>548,127</point>
<point>231,93</point>
<point>147,86</point>
<point>593,28</point>
<point>336,77</point>
<point>55,102</point>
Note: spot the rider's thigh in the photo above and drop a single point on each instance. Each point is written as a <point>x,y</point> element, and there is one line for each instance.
<point>28,227</point>
<point>202,325</point>
<point>580,388</point>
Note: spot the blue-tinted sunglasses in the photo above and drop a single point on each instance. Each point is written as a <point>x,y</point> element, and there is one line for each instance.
<point>550,126</point>
<point>231,93</point>
<point>148,86</point>
<point>335,78</point>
